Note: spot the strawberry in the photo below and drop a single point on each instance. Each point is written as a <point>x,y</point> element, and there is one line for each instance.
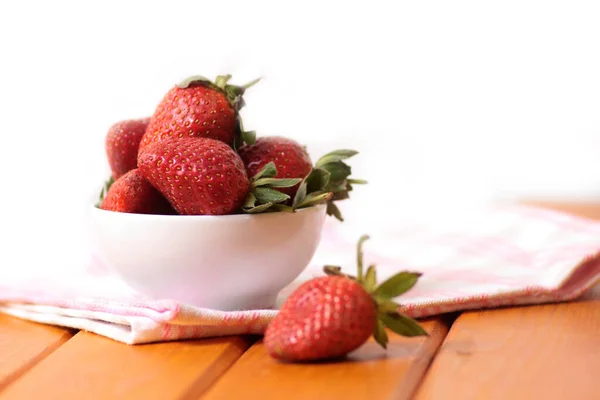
<point>122,143</point>
<point>131,193</point>
<point>201,108</point>
<point>290,158</point>
<point>196,175</point>
<point>328,181</point>
<point>325,317</point>
<point>331,316</point>
<point>206,176</point>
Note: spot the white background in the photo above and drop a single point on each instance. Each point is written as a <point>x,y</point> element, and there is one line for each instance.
<point>451,103</point>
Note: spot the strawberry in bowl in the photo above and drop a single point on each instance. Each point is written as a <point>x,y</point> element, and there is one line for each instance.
<point>207,214</point>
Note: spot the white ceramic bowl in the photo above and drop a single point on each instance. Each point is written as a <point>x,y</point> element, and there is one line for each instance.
<point>226,263</point>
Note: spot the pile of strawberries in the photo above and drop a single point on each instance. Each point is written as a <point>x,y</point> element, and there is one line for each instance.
<point>193,157</point>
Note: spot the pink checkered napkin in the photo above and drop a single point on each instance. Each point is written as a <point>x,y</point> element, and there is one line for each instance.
<point>499,256</point>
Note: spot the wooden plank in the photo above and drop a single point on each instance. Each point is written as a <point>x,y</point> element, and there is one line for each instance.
<point>94,367</point>
<point>582,209</point>
<point>368,373</point>
<point>537,352</point>
<point>23,344</point>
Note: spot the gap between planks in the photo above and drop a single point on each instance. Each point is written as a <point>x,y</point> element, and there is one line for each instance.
<point>94,367</point>
<point>24,344</point>
<point>535,352</point>
<point>547,351</point>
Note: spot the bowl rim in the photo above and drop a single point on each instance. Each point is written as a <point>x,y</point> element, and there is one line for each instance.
<point>95,209</point>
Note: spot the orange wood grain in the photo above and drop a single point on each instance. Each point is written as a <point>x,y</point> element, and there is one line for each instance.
<point>23,344</point>
<point>94,367</point>
<point>368,373</point>
<point>537,352</point>
<point>582,209</point>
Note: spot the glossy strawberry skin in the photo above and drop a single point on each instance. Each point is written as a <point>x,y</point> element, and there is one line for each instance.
<point>326,317</point>
<point>197,110</point>
<point>122,143</point>
<point>199,176</point>
<point>289,157</point>
<point>131,193</point>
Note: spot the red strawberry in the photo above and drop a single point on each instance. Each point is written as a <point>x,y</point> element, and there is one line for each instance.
<point>131,193</point>
<point>198,107</point>
<point>325,317</point>
<point>328,317</point>
<point>122,142</point>
<point>196,175</point>
<point>290,158</point>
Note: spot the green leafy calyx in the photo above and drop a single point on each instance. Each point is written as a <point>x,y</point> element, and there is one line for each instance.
<point>329,181</point>
<point>388,315</point>
<point>234,94</point>
<point>264,194</point>
<point>105,188</point>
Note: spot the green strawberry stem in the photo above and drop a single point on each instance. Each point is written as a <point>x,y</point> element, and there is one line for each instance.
<point>235,96</point>
<point>251,83</point>
<point>107,184</point>
<point>328,182</point>
<point>388,315</point>
<point>359,256</point>
<point>264,196</point>
<point>242,136</point>
<point>221,81</point>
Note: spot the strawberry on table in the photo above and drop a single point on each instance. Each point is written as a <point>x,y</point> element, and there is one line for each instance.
<point>330,316</point>
<point>122,143</point>
<point>131,193</point>
<point>198,107</point>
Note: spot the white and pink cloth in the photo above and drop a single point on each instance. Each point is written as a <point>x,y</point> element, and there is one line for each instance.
<point>499,256</point>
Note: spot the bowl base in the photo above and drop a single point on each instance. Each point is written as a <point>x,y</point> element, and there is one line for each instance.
<point>234,303</point>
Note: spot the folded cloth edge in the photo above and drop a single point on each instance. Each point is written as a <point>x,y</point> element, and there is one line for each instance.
<point>140,329</point>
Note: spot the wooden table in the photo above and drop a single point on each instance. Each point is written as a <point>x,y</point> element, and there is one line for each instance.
<point>537,352</point>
